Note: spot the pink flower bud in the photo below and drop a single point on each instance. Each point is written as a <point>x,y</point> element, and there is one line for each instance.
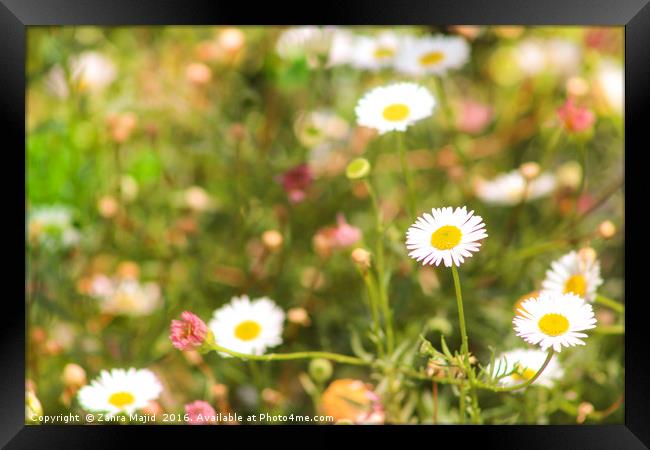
<point>189,332</point>
<point>200,413</point>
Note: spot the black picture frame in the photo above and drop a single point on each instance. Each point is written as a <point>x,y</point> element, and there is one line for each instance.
<point>634,15</point>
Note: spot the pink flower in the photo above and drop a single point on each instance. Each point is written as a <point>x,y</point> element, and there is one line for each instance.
<point>189,332</point>
<point>575,118</point>
<point>473,117</point>
<point>295,182</point>
<point>200,413</point>
<point>344,234</point>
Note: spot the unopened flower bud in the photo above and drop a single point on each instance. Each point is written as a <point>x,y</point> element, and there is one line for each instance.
<point>361,257</point>
<point>298,316</point>
<point>587,254</point>
<point>74,375</point>
<point>320,370</point>
<point>219,391</point>
<point>530,170</point>
<point>198,73</point>
<point>607,229</point>
<point>272,240</point>
<point>272,397</point>
<point>358,168</point>
<point>108,206</point>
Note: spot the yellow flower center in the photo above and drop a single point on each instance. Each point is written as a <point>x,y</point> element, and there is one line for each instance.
<point>396,112</point>
<point>524,375</point>
<point>248,330</point>
<point>383,53</point>
<point>121,399</point>
<point>576,284</point>
<point>553,324</point>
<point>431,58</point>
<point>447,237</point>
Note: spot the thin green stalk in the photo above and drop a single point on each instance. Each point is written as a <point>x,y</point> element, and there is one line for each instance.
<point>449,117</point>
<point>461,313</point>
<point>461,405</point>
<point>611,304</point>
<point>374,308</point>
<point>291,356</point>
<point>406,173</point>
<point>381,271</point>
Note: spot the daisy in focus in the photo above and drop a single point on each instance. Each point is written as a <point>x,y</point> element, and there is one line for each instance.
<point>512,188</point>
<point>524,364</point>
<point>248,326</point>
<point>394,107</point>
<point>445,235</point>
<point>577,273</point>
<point>432,55</point>
<point>120,391</point>
<point>554,320</point>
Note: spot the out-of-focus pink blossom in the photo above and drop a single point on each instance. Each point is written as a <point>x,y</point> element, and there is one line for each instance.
<point>344,234</point>
<point>200,413</point>
<point>341,236</point>
<point>474,117</point>
<point>188,333</point>
<point>295,182</point>
<point>575,118</point>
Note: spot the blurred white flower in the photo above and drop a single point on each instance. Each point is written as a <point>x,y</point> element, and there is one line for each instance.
<point>316,127</point>
<point>376,52</point>
<point>557,56</point>
<point>511,188</point>
<point>89,71</point>
<point>52,227</point>
<point>304,41</point>
<point>611,83</point>
<point>431,54</point>
<point>130,297</point>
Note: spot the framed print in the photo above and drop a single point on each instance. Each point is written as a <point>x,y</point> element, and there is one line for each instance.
<point>386,215</point>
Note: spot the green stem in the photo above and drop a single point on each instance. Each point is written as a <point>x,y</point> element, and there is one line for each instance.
<point>449,117</point>
<point>406,173</point>
<point>527,383</point>
<point>461,313</point>
<point>381,271</point>
<point>291,356</point>
<point>374,308</point>
<point>461,405</point>
<point>611,304</point>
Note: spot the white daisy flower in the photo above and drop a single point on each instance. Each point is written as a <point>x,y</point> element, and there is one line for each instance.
<point>432,55</point>
<point>394,107</point>
<point>247,326</point>
<point>554,320</point>
<point>510,188</point>
<point>445,235</point>
<point>375,53</point>
<point>527,362</point>
<point>575,272</point>
<point>120,391</point>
